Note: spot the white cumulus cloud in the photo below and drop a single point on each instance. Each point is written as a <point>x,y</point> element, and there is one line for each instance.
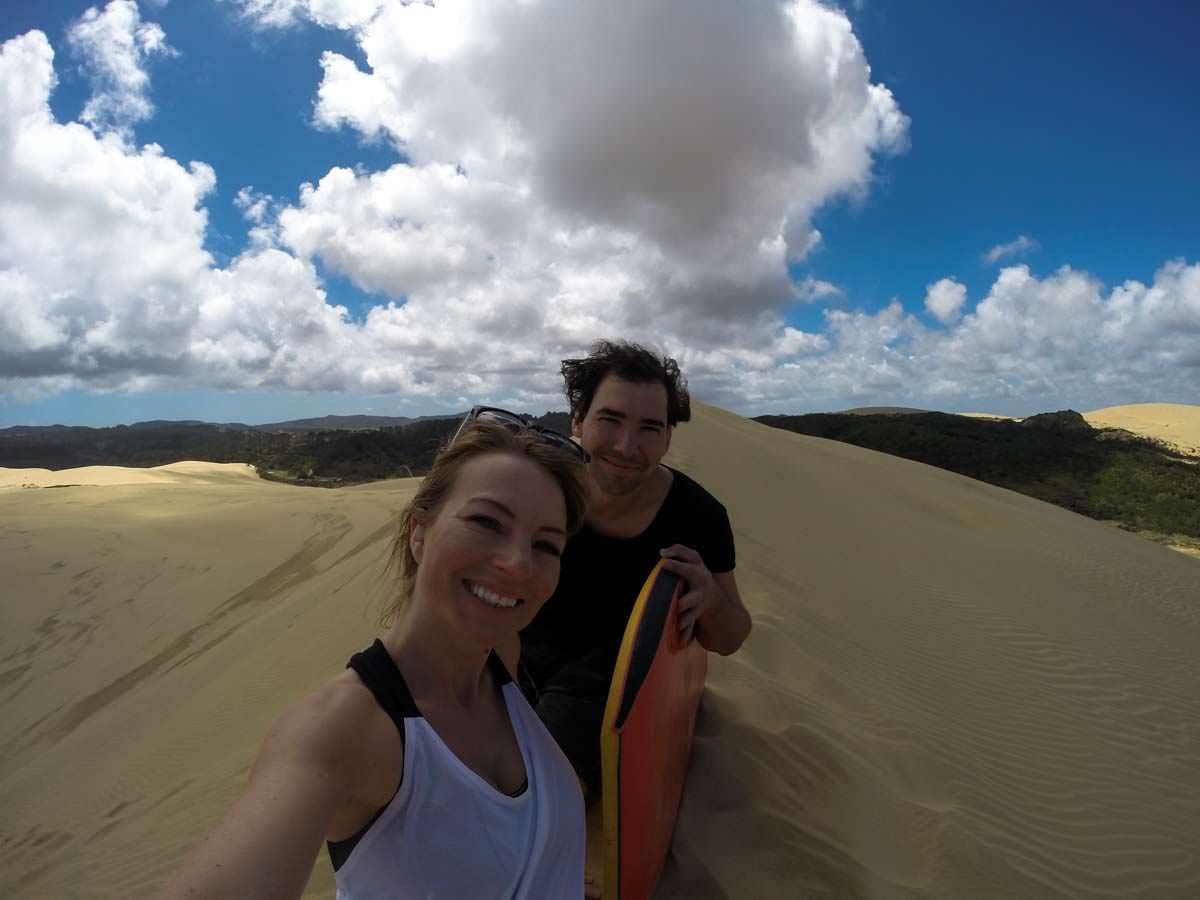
<point>1020,244</point>
<point>814,290</point>
<point>114,44</point>
<point>332,13</point>
<point>109,238</point>
<point>713,133</point>
<point>944,299</point>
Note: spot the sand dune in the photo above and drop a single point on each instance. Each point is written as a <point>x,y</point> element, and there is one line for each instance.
<point>952,691</point>
<point>983,415</point>
<point>106,476</point>
<point>1175,423</point>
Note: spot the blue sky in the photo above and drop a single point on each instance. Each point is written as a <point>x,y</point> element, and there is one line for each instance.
<point>1073,123</point>
<point>495,211</point>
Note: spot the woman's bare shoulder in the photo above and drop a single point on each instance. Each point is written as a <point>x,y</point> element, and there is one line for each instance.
<point>335,725</point>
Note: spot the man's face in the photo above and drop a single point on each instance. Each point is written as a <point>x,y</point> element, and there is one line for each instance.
<point>626,432</point>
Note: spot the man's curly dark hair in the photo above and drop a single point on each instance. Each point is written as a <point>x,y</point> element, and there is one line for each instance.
<point>631,362</point>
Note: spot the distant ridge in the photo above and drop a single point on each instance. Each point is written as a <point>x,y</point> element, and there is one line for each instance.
<point>882,411</point>
<point>152,424</point>
<point>342,423</point>
<point>292,426</point>
<point>325,450</point>
<point>303,426</point>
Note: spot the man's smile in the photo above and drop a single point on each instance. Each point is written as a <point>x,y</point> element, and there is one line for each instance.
<point>628,465</point>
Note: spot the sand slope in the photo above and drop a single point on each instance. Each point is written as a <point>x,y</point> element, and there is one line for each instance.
<point>951,691</point>
<point>983,415</point>
<point>107,476</point>
<point>150,634</point>
<point>1175,423</point>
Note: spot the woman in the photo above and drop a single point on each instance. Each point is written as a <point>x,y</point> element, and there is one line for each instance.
<point>422,765</point>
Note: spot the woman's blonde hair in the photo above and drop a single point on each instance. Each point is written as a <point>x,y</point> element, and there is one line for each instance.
<point>476,439</point>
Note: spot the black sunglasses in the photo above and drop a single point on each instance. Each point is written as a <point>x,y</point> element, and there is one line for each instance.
<point>516,423</point>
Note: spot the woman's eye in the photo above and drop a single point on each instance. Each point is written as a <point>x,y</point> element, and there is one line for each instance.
<point>485,522</point>
<point>548,547</point>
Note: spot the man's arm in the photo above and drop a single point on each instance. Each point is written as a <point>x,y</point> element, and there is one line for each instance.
<point>711,609</point>
<point>725,627</point>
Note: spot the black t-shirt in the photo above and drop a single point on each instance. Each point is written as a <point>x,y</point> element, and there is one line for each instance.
<point>578,632</point>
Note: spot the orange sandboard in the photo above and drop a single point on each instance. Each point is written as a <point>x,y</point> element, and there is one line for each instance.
<point>646,739</point>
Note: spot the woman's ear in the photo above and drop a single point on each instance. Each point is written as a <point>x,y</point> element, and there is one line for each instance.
<point>416,540</point>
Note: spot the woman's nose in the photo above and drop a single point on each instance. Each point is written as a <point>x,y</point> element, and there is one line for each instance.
<point>516,557</point>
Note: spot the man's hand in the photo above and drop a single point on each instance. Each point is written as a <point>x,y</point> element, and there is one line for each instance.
<point>708,610</point>
<point>701,590</point>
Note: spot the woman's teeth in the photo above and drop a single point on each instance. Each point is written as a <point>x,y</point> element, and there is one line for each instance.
<point>491,598</point>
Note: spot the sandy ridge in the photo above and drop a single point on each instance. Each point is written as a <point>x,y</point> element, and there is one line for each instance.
<point>105,476</point>
<point>1174,423</point>
<point>1177,424</point>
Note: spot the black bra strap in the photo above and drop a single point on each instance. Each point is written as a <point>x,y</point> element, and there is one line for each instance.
<point>379,673</point>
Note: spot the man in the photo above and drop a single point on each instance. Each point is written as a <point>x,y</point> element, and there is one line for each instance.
<point>625,403</point>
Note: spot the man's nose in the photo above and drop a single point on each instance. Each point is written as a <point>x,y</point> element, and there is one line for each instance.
<point>626,443</point>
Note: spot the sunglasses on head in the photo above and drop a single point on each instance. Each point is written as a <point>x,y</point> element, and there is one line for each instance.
<point>516,423</point>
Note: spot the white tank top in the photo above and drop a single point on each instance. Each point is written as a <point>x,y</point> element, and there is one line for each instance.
<point>448,833</point>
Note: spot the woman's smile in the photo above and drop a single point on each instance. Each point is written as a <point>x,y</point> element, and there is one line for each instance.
<point>492,598</point>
